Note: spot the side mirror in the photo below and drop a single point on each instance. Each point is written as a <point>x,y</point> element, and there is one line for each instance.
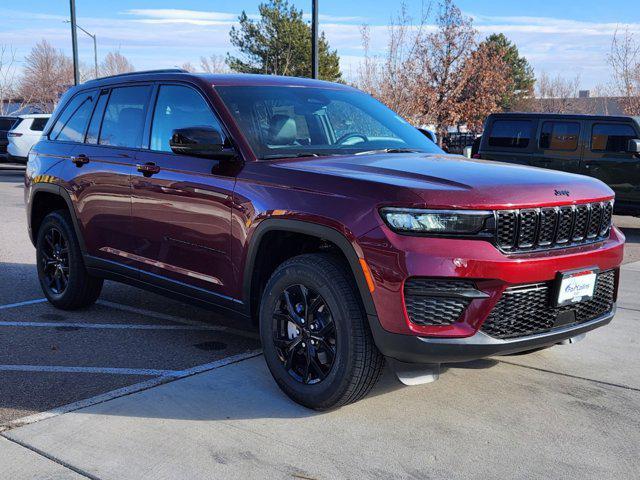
<point>204,142</point>
<point>633,146</point>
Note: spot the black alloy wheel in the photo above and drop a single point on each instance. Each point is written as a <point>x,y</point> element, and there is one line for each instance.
<point>54,258</point>
<point>304,334</point>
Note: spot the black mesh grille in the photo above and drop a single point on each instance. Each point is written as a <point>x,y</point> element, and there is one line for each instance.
<point>526,310</point>
<point>528,226</point>
<point>548,220</point>
<point>507,225</point>
<point>427,302</point>
<point>581,222</point>
<point>547,228</point>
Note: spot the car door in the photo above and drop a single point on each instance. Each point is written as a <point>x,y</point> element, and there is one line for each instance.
<point>510,140</point>
<point>607,159</point>
<point>102,167</point>
<point>559,146</point>
<point>182,207</point>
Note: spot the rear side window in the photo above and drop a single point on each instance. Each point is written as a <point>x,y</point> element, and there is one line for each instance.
<point>510,133</point>
<point>124,117</point>
<point>559,135</point>
<point>38,124</point>
<point>611,137</point>
<point>72,123</point>
<point>96,119</point>
<point>6,123</point>
<point>178,107</point>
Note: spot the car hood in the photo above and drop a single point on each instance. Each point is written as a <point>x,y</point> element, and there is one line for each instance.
<point>457,182</point>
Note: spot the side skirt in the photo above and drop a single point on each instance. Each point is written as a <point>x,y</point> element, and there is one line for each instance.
<point>110,270</point>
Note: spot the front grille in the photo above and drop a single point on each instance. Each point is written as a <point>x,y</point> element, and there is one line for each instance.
<point>526,310</point>
<point>432,302</point>
<point>547,228</point>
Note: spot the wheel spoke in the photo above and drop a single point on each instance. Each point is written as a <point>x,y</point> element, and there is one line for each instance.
<point>297,319</point>
<point>317,367</point>
<point>307,365</point>
<point>58,284</point>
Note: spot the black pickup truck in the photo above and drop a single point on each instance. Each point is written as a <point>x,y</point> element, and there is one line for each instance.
<point>604,147</point>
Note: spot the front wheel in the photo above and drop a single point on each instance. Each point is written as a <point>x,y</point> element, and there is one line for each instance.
<point>315,339</point>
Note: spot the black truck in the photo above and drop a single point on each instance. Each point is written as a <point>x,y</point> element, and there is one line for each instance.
<point>604,147</point>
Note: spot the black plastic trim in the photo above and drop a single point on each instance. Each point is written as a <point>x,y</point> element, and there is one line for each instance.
<point>414,349</point>
<point>313,229</point>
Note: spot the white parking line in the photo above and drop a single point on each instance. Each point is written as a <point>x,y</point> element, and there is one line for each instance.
<point>22,304</point>
<point>121,392</point>
<point>109,370</point>
<point>173,318</point>
<point>112,326</point>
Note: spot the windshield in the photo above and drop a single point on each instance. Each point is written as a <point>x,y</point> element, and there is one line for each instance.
<point>301,121</point>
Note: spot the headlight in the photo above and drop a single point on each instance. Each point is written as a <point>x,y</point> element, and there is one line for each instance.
<point>460,222</point>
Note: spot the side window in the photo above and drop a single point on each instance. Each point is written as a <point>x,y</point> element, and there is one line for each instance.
<point>611,137</point>
<point>124,117</point>
<point>178,107</point>
<point>72,123</point>
<point>38,124</point>
<point>96,119</point>
<point>559,135</point>
<point>510,133</point>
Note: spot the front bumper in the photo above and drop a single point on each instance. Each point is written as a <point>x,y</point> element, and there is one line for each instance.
<point>429,350</point>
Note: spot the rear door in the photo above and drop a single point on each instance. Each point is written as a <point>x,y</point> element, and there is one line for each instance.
<point>559,146</point>
<point>103,167</point>
<point>182,213</point>
<point>606,158</point>
<point>509,140</point>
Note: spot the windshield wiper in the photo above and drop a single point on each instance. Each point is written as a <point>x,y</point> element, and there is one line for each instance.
<point>390,150</point>
<point>290,155</point>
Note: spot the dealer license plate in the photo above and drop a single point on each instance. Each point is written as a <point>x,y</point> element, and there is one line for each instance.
<point>576,287</point>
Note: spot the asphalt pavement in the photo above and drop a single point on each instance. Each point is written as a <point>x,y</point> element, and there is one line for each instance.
<point>140,386</point>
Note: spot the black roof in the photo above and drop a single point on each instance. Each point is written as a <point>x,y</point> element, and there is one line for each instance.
<point>561,116</point>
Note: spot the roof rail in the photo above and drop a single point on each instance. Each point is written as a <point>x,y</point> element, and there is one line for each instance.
<point>140,72</point>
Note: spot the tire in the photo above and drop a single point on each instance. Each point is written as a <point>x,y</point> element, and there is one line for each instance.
<point>345,363</point>
<point>61,271</point>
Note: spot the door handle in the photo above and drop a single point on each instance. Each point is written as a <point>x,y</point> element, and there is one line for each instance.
<point>80,160</point>
<point>148,169</point>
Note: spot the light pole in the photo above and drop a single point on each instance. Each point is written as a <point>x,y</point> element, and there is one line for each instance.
<point>74,42</point>
<point>95,47</point>
<point>314,38</point>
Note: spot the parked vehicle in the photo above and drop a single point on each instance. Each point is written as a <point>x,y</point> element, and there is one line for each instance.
<point>604,147</point>
<point>24,134</point>
<point>6,123</point>
<point>317,211</point>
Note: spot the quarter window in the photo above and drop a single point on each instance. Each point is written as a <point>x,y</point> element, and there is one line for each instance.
<point>611,137</point>
<point>38,124</point>
<point>124,117</point>
<point>72,123</point>
<point>510,133</point>
<point>178,107</point>
<point>559,135</point>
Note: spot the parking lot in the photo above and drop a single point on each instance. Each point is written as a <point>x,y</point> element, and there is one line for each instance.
<point>140,386</point>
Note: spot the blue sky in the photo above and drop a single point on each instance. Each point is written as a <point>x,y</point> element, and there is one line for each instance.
<point>565,37</point>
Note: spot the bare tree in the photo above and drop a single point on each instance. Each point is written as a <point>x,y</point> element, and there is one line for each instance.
<point>624,59</point>
<point>557,95</point>
<point>9,98</point>
<point>114,64</point>
<point>214,64</point>
<point>188,66</point>
<point>46,75</point>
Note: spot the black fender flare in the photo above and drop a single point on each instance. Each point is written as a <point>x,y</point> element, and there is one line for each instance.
<point>62,193</point>
<point>312,229</point>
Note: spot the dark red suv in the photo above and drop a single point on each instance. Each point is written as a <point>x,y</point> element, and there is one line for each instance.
<point>312,208</point>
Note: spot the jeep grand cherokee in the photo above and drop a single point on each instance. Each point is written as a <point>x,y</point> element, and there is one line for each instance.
<point>323,215</point>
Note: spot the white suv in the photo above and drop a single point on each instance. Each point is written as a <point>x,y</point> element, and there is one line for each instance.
<point>25,134</point>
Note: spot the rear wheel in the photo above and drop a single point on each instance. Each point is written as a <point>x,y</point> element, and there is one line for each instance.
<point>315,339</point>
<point>61,271</point>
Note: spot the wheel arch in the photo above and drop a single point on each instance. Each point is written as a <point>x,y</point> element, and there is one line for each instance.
<point>57,198</point>
<point>320,232</point>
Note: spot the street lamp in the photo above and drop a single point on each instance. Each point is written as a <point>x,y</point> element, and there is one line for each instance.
<point>314,39</point>
<point>95,46</point>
